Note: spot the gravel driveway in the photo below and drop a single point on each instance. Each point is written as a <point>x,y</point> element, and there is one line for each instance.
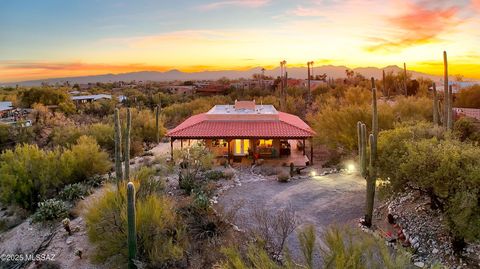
<point>319,200</point>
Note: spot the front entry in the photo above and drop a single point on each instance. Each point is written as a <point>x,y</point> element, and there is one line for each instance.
<point>241,147</point>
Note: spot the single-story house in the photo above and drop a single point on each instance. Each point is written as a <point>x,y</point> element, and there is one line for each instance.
<point>5,108</point>
<point>82,99</point>
<point>244,129</point>
<point>467,112</point>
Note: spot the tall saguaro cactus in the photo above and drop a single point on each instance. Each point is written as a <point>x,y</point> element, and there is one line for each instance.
<point>445,89</point>
<point>132,233</point>
<point>405,78</point>
<point>370,173</point>
<point>450,109</point>
<point>435,105</point>
<point>157,126</point>
<point>127,145</point>
<point>118,147</point>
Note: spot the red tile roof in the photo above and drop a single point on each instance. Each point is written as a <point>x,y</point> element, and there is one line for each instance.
<point>198,126</point>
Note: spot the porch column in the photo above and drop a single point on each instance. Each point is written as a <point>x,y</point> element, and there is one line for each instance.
<point>228,149</point>
<point>311,151</point>
<point>181,143</point>
<point>304,146</point>
<point>171,148</point>
<point>254,150</point>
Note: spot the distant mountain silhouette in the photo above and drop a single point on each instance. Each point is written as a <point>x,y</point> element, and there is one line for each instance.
<point>293,72</point>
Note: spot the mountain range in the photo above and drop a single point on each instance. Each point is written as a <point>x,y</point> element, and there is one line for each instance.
<point>293,72</point>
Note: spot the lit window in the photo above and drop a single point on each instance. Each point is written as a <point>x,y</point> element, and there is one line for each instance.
<point>265,143</point>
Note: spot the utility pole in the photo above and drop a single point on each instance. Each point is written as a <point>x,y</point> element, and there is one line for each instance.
<point>309,94</point>
<point>263,78</point>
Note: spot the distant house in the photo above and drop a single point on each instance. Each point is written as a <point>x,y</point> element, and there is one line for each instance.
<point>467,112</point>
<point>180,89</point>
<point>211,90</point>
<point>82,99</point>
<point>5,108</point>
<point>245,130</point>
<point>457,86</point>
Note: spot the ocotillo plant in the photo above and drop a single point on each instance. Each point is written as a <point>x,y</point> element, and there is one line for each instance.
<point>118,147</point>
<point>157,116</point>
<point>435,104</point>
<point>127,145</point>
<point>132,233</point>
<point>445,89</point>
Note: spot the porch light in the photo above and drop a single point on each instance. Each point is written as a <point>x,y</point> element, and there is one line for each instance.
<point>313,173</point>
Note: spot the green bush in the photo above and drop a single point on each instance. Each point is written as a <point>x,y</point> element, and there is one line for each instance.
<point>73,192</point>
<point>442,167</point>
<point>466,129</point>
<point>160,234</point>
<point>201,200</point>
<point>51,209</point>
<point>213,175</point>
<point>29,174</point>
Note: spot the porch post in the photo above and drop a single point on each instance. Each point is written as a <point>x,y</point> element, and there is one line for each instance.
<point>304,146</point>
<point>181,143</point>
<point>171,148</point>
<point>311,151</point>
<point>254,150</point>
<point>228,153</point>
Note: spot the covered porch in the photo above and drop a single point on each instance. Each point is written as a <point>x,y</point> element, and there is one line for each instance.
<point>250,150</point>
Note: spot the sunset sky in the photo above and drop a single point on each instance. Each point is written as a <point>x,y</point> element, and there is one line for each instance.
<point>44,39</point>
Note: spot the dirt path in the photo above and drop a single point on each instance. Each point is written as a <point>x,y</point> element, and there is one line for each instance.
<point>319,200</point>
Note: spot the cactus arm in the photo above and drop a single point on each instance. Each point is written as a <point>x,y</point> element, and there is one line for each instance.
<point>118,148</point>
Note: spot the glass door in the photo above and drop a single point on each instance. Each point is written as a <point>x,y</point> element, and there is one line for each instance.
<point>241,147</point>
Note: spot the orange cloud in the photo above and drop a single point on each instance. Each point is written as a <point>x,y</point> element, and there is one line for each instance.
<point>418,25</point>
<point>476,5</point>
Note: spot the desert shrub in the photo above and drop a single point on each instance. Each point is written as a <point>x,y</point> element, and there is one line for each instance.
<point>342,247</point>
<point>201,200</point>
<point>160,233</point>
<point>466,129</point>
<point>149,184</point>
<point>228,174</point>
<point>213,175</point>
<point>29,174</point>
<point>283,177</point>
<point>443,168</point>
<point>346,248</point>
<point>273,228</point>
<point>469,97</point>
<point>186,182</point>
<point>43,95</point>
<point>73,192</point>
<point>51,209</point>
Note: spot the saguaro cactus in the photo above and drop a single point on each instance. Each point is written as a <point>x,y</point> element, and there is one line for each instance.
<point>450,108</point>
<point>118,147</point>
<point>132,233</point>
<point>127,144</point>
<point>405,78</point>
<point>435,104</point>
<point>371,181</point>
<point>374,109</point>
<point>157,116</point>
<point>445,89</point>
<point>360,145</point>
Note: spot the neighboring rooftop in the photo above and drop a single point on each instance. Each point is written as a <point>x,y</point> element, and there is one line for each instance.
<point>5,105</point>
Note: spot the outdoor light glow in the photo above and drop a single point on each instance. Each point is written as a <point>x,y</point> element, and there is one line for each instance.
<point>313,173</point>
<point>351,168</point>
